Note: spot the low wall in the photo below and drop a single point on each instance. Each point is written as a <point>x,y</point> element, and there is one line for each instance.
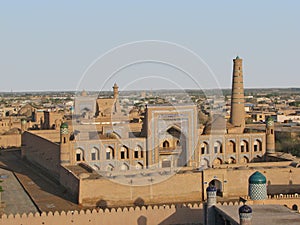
<point>104,192</point>
<point>256,164</point>
<point>11,140</point>
<point>291,200</point>
<point>158,215</point>
<point>41,152</point>
<point>51,135</point>
<point>70,181</point>
<point>234,182</point>
<point>150,215</point>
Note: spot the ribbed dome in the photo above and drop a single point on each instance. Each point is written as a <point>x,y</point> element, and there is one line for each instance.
<point>211,188</point>
<point>64,125</point>
<point>257,178</point>
<point>245,209</point>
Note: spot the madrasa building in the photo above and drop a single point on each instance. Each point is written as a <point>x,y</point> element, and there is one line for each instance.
<point>168,136</point>
<point>162,156</point>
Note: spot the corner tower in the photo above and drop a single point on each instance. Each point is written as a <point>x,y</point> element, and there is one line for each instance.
<point>209,213</point>
<point>245,213</point>
<point>237,112</point>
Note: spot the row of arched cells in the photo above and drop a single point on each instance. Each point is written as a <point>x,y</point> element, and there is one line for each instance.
<point>231,160</point>
<point>123,167</point>
<point>231,147</point>
<point>110,153</point>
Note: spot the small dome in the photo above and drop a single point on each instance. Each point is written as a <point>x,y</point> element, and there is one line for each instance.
<point>245,209</point>
<point>216,125</point>
<point>64,125</point>
<point>270,121</point>
<point>211,188</point>
<point>83,93</point>
<point>257,178</point>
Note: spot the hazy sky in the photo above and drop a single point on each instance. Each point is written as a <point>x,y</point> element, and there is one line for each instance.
<point>47,45</point>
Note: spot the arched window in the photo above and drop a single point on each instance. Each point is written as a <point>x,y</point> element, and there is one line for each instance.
<point>94,154</point>
<point>110,167</point>
<point>244,160</point>
<point>166,144</point>
<point>218,184</point>
<point>139,166</point>
<point>204,163</point>
<point>79,155</point>
<point>110,153</point>
<point>231,147</point>
<point>244,146</point>
<point>124,167</point>
<point>124,154</point>
<point>257,146</point>
<point>138,152</point>
<point>232,160</point>
<point>217,162</point>
<point>218,147</point>
<point>204,148</point>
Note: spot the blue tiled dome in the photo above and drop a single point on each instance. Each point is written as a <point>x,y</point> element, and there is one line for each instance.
<point>211,188</point>
<point>245,209</point>
<point>64,125</point>
<point>257,178</point>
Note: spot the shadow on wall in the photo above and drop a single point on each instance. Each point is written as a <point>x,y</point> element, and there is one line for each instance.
<point>142,220</point>
<point>283,189</point>
<point>184,215</point>
<point>12,161</point>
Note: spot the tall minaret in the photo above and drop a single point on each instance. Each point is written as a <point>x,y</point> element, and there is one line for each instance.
<point>270,136</point>
<point>116,91</point>
<point>237,113</point>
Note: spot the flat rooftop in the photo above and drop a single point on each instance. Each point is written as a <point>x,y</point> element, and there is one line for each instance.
<point>14,197</point>
<point>264,214</point>
<point>46,194</point>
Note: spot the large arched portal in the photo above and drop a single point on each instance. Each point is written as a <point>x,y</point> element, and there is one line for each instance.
<point>180,148</point>
<point>218,184</point>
